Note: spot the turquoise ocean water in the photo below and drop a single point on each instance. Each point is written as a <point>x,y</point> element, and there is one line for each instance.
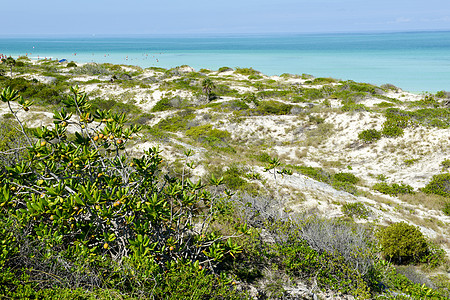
<point>413,61</point>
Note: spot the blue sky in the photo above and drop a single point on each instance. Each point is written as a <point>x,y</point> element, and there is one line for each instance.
<point>88,17</point>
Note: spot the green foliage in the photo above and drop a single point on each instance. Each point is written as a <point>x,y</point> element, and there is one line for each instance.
<point>385,104</point>
<point>40,93</point>
<point>439,185</point>
<point>11,139</point>
<point>356,209</point>
<point>396,283</point>
<point>254,77</point>
<point>162,105</point>
<point>322,80</point>
<point>263,157</point>
<point>113,106</point>
<point>246,71</point>
<point>239,105</point>
<point>354,107</point>
<point>312,94</point>
<point>369,135</point>
<point>299,251</point>
<point>224,69</point>
<point>446,208</point>
<point>176,122</point>
<point>393,189</point>
<point>233,177</point>
<point>346,177</point>
<point>205,131</point>
<point>391,130</point>
<point>403,243</point>
<point>340,181</point>
<point>71,65</point>
<point>441,94</point>
<point>213,137</point>
<point>330,271</point>
<point>78,211</point>
<point>207,87</point>
<point>91,69</point>
<point>410,162</point>
<point>274,108</point>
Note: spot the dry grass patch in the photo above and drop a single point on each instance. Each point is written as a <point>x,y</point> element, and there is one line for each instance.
<point>429,201</point>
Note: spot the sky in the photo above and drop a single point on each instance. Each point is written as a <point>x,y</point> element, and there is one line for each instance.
<point>202,17</point>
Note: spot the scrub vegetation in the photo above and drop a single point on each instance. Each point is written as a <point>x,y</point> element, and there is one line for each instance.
<point>228,184</point>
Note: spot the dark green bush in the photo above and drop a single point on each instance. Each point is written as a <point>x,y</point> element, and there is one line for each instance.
<point>274,108</point>
<point>403,243</point>
<point>346,177</point>
<point>71,65</point>
<point>439,185</point>
<point>393,189</point>
<point>239,105</point>
<point>233,177</point>
<point>204,131</point>
<point>392,130</point>
<point>446,208</point>
<point>162,105</point>
<point>102,218</point>
<point>312,94</point>
<point>369,135</point>
<point>224,69</point>
<point>246,71</point>
<point>385,104</point>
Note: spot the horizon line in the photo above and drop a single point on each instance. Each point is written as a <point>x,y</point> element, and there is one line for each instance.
<point>205,34</point>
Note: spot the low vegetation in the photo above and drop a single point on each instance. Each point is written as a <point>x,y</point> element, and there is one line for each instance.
<point>87,211</point>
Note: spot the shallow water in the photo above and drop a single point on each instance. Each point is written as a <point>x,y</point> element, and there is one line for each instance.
<point>415,62</point>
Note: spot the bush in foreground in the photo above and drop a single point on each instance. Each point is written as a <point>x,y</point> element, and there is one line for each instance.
<point>76,211</point>
<point>403,243</point>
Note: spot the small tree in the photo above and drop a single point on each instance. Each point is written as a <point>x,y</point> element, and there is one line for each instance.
<point>207,87</point>
<point>403,243</point>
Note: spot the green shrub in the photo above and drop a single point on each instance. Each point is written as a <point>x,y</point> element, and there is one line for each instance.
<point>254,77</point>
<point>263,157</point>
<point>224,69</point>
<point>354,107</point>
<point>369,135</point>
<point>71,65</point>
<point>239,105</point>
<point>397,117</point>
<point>393,189</point>
<point>356,209</point>
<point>78,211</point>
<point>274,108</point>
<point>446,208</point>
<point>439,185</point>
<point>215,138</point>
<point>91,69</point>
<point>177,122</point>
<point>392,130</point>
<point>312,94</point>
<point>385,104</point>
<point>233,177</point>
<point>162,105</point>
<point>346,177</point>
<point>246,71</point>
<point>204,131</point>
<point>402,243</point>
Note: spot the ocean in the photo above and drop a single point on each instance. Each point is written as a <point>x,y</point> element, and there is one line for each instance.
<point>412,61</point>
